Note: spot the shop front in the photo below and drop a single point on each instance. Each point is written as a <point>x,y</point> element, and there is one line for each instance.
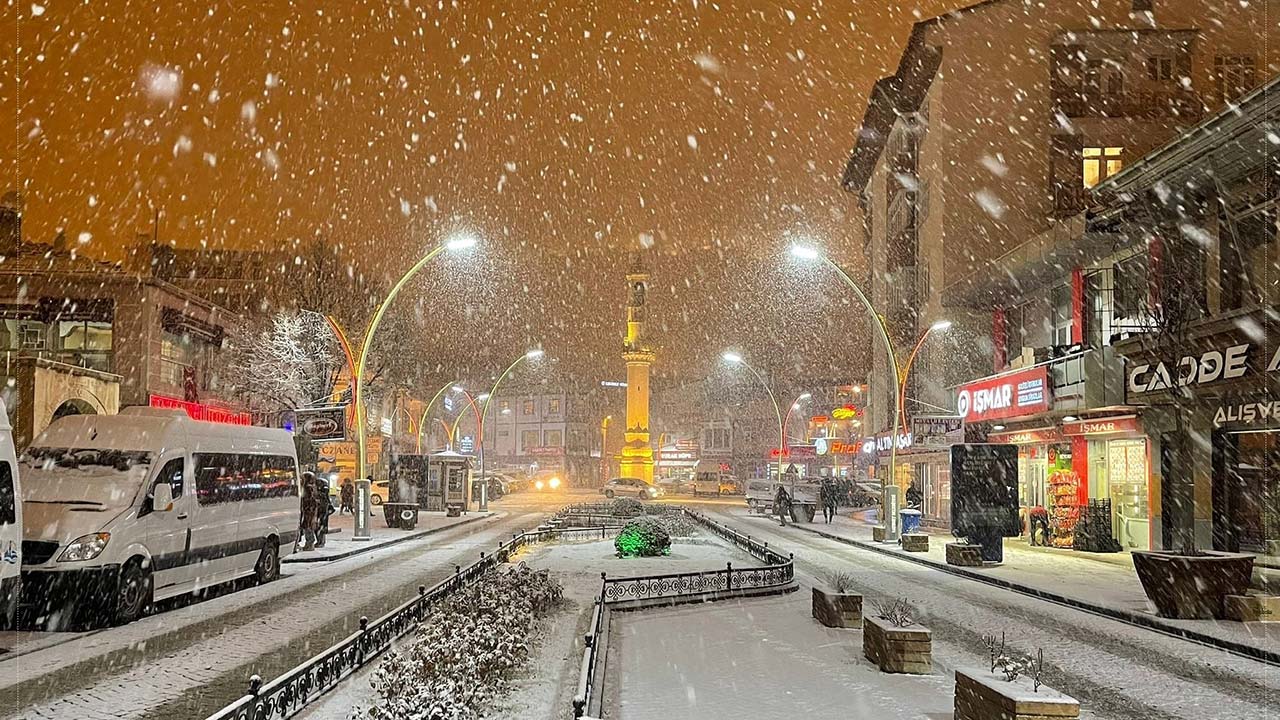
<point>1115,472</point>
<point>1220,382</point>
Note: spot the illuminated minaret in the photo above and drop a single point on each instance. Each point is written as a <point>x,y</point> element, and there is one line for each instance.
<point>636,458</point>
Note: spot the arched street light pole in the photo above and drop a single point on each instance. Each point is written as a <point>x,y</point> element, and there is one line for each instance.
<point>807,253</point>
<point>357,380</point>
<point>735,359</point>
<point>795,405</point>
<point>484,412</point>
<point>939,326</point>
<point>422,424</point>
<point>472,402</point>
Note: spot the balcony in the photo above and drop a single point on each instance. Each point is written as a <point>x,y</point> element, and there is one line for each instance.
<point>99,360</point>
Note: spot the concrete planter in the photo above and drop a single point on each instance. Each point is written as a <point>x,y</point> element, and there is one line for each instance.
<point>897,649</point>
<point>837,610</point>
<point>983,695</point>
<point>964,555</point>
<point>1192,587</point>
<point>915,542</point>
<point>879,533</point>
<point>1252,608</point>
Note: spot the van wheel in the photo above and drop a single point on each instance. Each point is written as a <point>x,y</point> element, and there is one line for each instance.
<point>608,494</point>
<point>133,594</point>
<point>268,567</point>
<point>375,499</point>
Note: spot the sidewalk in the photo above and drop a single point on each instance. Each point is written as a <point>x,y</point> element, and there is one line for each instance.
<point>342,544</point>
<point>1102,583</point>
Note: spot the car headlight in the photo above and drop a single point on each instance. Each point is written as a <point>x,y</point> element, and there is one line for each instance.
<point>555,483</point>
<point>653,490</point>
<point>538,484</point>
<point>85,547</point>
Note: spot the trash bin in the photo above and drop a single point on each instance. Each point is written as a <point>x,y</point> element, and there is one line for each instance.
<point>400,515</point>
<point>910,521</point>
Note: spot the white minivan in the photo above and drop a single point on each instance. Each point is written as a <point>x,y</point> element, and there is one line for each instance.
<point>10,524</point>
<point>123,510</point>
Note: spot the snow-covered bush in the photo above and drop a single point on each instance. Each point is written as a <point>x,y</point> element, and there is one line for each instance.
<point>673,520</point>
<point>627,507</point>
<point>466,649</point>
<point>642,537</point>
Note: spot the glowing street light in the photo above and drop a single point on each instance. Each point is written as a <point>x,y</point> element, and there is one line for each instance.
<point>795,405</point>
<point>454,244</point>
<point>939,326</point>
<point>804,252</point>
<point>734,358</point>
<point>533,354</point>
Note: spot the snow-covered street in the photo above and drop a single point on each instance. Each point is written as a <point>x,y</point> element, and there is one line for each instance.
<point>189,662</point>
<point>1115,670</point>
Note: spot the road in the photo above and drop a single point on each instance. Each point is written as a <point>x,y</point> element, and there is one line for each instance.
<point>1116,670</point>
<point>189,661</point>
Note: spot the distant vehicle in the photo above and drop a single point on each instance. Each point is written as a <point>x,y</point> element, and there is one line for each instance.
<point>728,485</point>
<point>760,494</point>
<point>551,482</point>
<point>127,509</point>
<point>10,524</point>
<point>630,487</point>
<point>803,492</point>
<point>673,485</point>
<point>707,477</point>
<point>379,491</point>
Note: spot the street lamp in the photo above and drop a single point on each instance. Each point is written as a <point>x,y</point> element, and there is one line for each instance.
<point>484,412</point>
<point>939,326</point>
<point>734,358</point>
<point>795,405</point>
<point>423,422</point>
<point>604,449</point>
<point>455,244</point>
<point>804,252</point>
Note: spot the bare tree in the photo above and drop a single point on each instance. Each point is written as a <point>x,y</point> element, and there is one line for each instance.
<point>286,361</point>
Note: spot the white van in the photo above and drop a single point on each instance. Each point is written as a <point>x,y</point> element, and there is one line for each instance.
<point>123,510</point>
<point>10,524</point>
<point>706,478</point>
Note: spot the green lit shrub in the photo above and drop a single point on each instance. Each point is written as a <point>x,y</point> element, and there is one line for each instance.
<point>643,537</point>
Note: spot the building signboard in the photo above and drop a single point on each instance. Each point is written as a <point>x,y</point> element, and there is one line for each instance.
<point>1196,369</point>
<point>322,424</point>
<point>1102,426</point>
<point>1033,436</point>
<point>1014,394</point>
<point>937,431</point>
<point>201,411</point>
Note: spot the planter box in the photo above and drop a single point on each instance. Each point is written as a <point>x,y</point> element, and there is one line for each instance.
<point>915,542</point>
<point>964,555</point>
<point>878,533</point>
<point>897,649</point>
<point>1252,608</point>
<point>837,610</point>
<point>1192,586</point>
<point>982,695</point>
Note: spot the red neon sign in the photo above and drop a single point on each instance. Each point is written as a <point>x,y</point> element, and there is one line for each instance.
<point>1025,392</point>
<point>200,411</point>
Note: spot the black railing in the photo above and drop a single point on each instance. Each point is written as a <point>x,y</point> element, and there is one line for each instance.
<point>287,694</point>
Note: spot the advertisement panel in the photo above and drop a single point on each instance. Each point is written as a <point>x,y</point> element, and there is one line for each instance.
<point>935,431</point>
<point>984,490</point>
<point>1025,392</point>
<point>322,424</point>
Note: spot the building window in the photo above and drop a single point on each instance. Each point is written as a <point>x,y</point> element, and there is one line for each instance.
<point>504,406</point>
<point>1160,68</point>
<point>1015,333</point>
<point>1233,76</point>
<point>1130,305</point>
<point>553,438</point>
<point>528,439</point>
<point>553,406</point>
<point>1100,163</point>
<point>1060,298</point>
<point>1103,79</point>
<point>716,439</point>
<point>529,407</point>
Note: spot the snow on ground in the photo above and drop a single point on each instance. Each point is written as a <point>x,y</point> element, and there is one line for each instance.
<point>758,658</point>
<point>1117,670</point>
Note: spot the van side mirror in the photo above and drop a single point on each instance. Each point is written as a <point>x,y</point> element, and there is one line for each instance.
<point>162,497</point>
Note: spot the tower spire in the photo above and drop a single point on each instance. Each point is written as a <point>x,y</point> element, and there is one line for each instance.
<point>636,458</point>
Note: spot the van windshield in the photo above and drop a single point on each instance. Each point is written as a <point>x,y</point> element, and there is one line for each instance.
<point>90,476</point>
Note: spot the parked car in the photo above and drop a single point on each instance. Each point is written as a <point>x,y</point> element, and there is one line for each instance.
<point>706,478</point>
<point>548,483</point>
<point>10,525</point>
<point>630,487</point>
<point>379,492</point>
<point>123,510</point>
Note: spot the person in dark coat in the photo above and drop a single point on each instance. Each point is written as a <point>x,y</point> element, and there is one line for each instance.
<point>348,495</point>
<point>310,521</point>
<point>782,505</point>
<point>324,511</point>
<point>828,499</point>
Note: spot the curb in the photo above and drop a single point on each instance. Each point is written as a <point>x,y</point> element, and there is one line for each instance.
<point>1137,619</point>
<point>370,548</point>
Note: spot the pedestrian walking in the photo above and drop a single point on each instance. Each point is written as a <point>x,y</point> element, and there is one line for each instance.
<point>828,499</point>
<point>782,504</point>
<point>324,511</point>
<point>348,495</point>
<point>310,520</point>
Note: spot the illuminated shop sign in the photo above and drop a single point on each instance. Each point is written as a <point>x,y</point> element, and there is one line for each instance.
<point>1261,413</point>
<point>1025,392</point>
<point>200,411</point>
<point>1102,426</point>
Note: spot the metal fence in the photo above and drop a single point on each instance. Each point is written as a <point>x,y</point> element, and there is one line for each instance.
<point>287,694</point>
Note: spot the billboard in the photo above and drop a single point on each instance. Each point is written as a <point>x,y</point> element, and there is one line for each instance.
<point>322,424</point>
<point>984,490</point>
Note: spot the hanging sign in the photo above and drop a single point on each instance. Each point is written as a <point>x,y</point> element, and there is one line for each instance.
<point>322,424</point>
<point>937,430</point>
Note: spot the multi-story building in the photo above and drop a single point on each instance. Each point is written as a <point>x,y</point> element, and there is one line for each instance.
<point>80,336</point>
<point>972,167</point>
<point>538,428</point>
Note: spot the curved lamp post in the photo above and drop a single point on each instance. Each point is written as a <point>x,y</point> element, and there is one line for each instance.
<point>803,252</point>
<point>940,326</point>
<point>735,359</point>
<point>795,405</point>
<point>422,424</point>
<point>604,449</point>
<point>357,381</point>
<point>484,412</point>
<point>472,402</point>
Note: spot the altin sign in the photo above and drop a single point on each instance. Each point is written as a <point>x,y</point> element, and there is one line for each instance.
<point>1206,368</point>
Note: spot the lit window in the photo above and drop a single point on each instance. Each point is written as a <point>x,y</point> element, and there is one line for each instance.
<point>528,408</point>
<point>1100,163</point>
